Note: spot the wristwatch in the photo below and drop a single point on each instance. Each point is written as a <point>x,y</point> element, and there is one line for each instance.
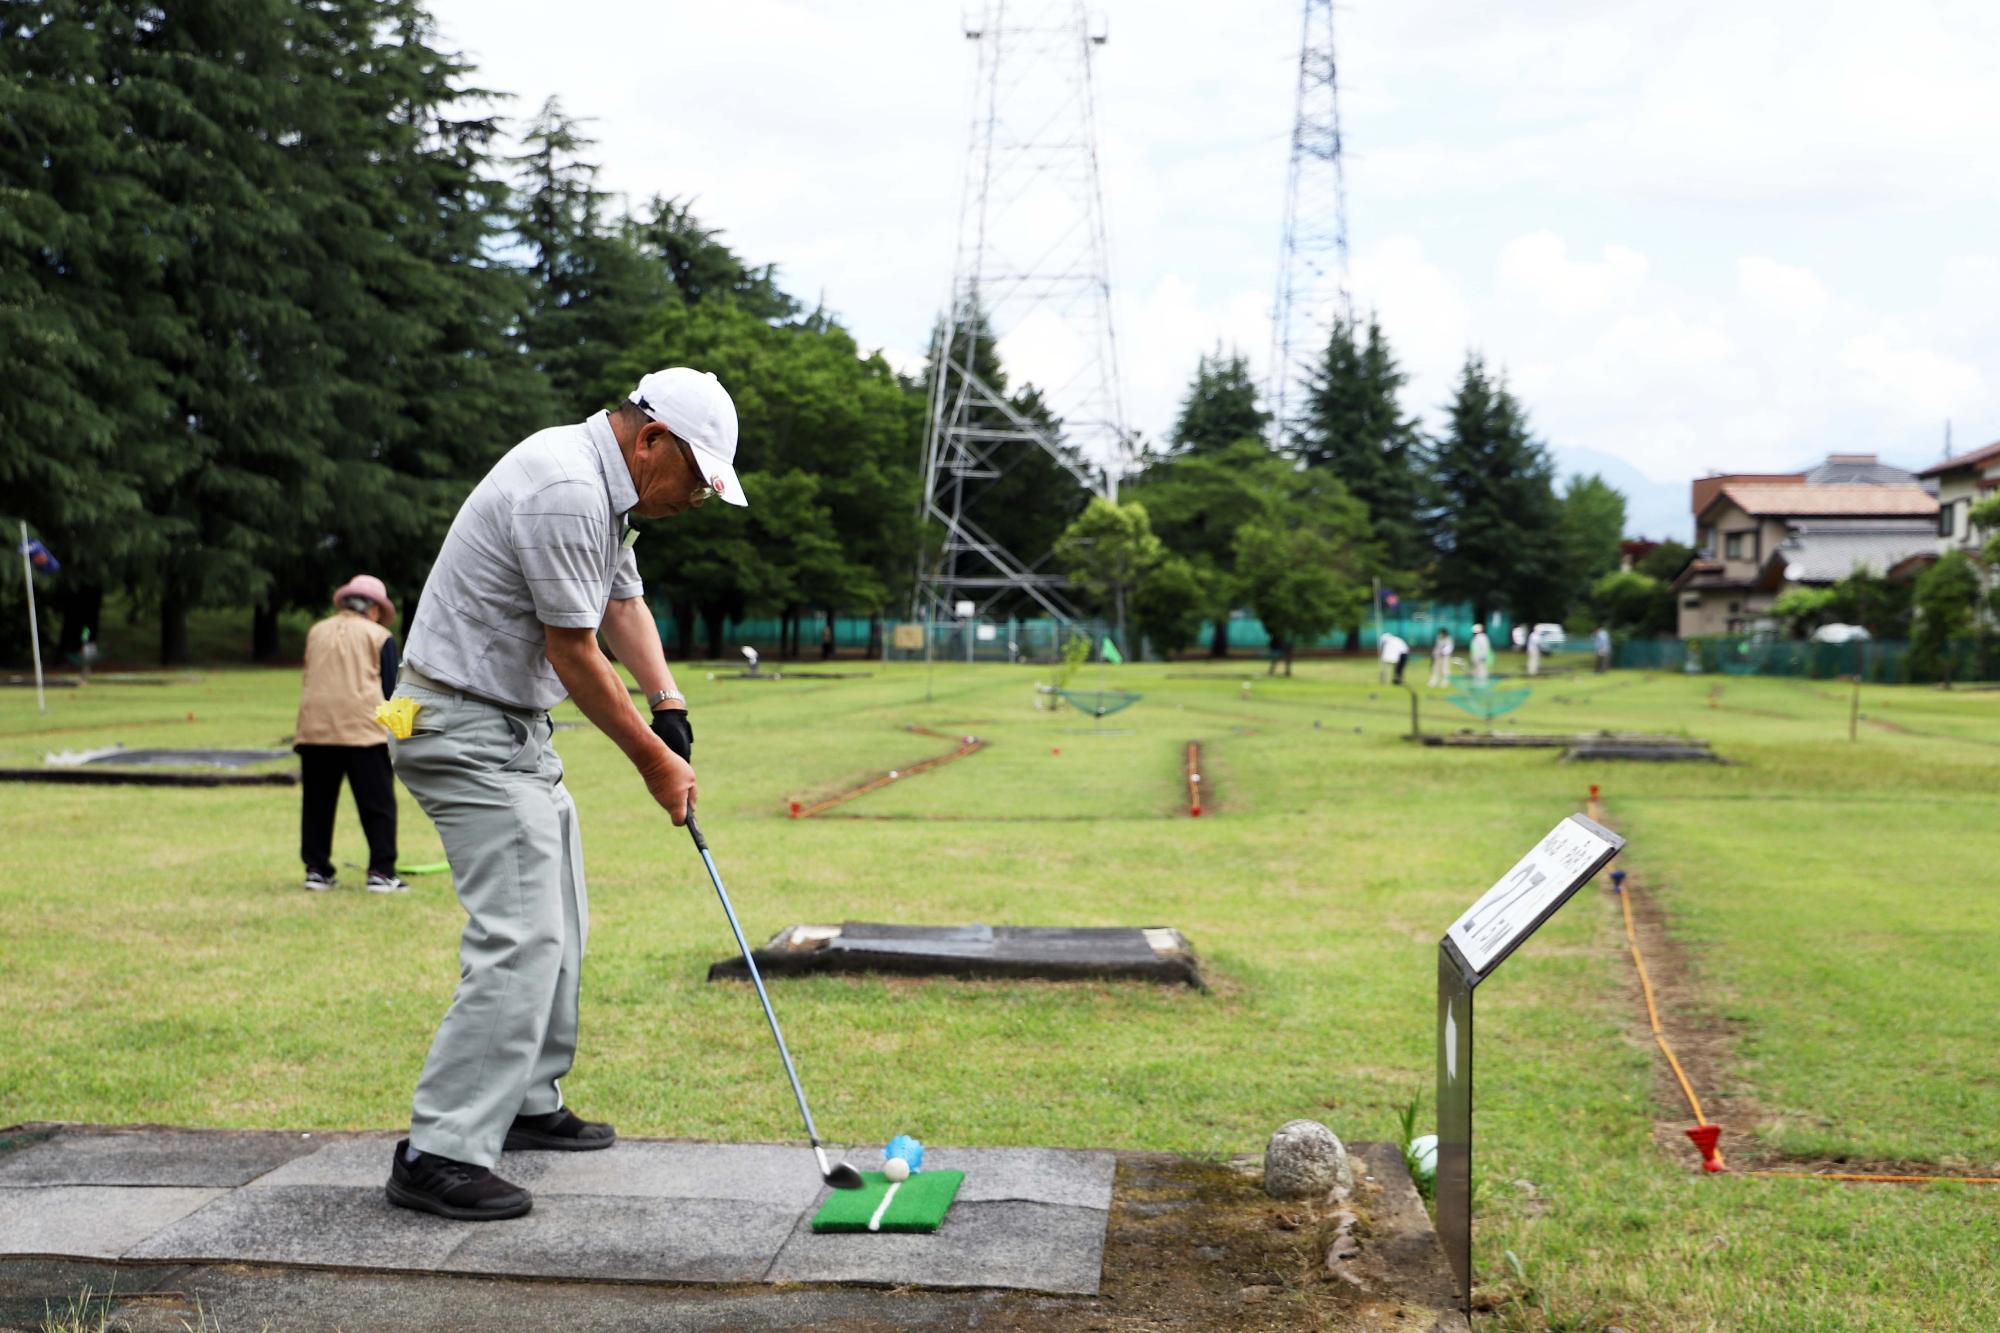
<point>658,697</point>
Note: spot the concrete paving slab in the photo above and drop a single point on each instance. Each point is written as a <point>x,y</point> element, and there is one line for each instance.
<point>90,1221</point>
<point>310,1224</point>
<point>1024,1246</point>
<point>1027,1175</point>
<point>585,1238</point>
<point>201,1158</point>
<point>780,1175</point>
<point>360,1161</point>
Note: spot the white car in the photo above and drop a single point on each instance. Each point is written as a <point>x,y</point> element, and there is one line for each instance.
<point>1841,634</point>
<point>1548,637</point>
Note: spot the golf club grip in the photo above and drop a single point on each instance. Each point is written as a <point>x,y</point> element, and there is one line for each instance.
<point>694,831</point>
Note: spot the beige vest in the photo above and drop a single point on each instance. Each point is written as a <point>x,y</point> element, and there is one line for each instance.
<point>343,682</point>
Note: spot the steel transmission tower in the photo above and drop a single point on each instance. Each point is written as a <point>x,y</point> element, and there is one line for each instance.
<point>1312,263</point>
<point>1031,273</point>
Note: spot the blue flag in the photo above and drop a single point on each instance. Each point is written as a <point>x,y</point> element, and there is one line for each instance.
<point>39,557</point>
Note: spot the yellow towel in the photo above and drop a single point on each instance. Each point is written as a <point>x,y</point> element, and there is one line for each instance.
<point>397,715</point>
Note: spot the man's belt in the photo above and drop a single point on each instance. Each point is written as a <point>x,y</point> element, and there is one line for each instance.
<point>423,682</point>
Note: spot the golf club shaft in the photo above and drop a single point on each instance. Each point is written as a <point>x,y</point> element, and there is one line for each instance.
<point>715,878</point>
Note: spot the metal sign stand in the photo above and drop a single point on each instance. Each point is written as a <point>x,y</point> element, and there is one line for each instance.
<point>1475,946</point>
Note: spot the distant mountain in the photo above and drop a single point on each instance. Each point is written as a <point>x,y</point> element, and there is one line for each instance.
<point>1653,509</point>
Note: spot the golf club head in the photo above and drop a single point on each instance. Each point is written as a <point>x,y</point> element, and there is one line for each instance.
<point>844,1177</point>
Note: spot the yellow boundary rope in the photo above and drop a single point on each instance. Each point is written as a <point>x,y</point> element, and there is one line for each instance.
<point>1694,1102</point>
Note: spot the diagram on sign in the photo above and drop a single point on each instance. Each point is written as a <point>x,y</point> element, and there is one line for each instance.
<point>1525,895</point>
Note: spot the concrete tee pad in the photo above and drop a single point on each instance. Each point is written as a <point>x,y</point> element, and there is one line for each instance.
<point>645,1210</point>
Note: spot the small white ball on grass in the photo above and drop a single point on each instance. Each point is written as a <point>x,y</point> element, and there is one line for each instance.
<point>896,1169</point>
<point>893,775</point>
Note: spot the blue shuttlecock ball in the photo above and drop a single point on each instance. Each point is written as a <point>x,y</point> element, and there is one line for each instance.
<point>907,1148</point>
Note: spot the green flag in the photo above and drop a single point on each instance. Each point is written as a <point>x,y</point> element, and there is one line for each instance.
<point>1109,652</point>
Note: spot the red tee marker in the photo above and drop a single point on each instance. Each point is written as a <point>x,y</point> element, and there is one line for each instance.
<point>1705,1137</point>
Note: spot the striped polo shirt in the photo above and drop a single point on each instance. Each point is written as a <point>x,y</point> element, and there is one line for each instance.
<point>539,542</point>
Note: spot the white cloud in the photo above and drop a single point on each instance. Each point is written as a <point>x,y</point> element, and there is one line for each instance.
<point>1693,237</point>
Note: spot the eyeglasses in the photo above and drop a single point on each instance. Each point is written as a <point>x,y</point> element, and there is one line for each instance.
<point>699,493</point>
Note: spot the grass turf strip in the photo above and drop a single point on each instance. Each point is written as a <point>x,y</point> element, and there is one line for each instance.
<point>916,1204</point>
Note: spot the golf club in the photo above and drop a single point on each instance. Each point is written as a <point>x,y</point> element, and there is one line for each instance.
<point>841,1176</point>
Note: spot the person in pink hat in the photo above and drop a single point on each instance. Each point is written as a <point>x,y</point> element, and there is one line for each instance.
<point>351,663</point>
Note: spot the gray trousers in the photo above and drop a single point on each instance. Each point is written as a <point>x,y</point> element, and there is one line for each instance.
<point>491,782</point>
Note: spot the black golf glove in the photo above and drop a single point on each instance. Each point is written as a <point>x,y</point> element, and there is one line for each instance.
<point>671,725</point>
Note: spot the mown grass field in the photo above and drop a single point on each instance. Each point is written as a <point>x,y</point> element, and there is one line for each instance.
<point>1832,906</point>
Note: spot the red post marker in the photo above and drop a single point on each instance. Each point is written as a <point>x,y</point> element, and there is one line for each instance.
<point>1055,749</point>
<point>1194,812</point>
<point>1593,791</point>
<point>795,809</point>
<point>1705,1137</point>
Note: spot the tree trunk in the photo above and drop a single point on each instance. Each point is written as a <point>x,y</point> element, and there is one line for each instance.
<point>173,624</point>
<point>1219,645</point>
<point>264,633</point>
<point>80,606</point>
<point>712,618</point>
<point>874,637</point>
<point>684,629</point>
<point>1288,660</point>
<point>1354,638</point>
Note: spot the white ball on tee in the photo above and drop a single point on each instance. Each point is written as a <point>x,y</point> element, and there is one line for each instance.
<point>896,1169</point>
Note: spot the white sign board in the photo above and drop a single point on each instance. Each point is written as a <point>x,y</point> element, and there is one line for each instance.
<point>963,610</point>
<point>1536,885</point>
<point>987,633</point>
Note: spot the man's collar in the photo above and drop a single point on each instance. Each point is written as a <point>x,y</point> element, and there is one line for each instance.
<point>611,459</point>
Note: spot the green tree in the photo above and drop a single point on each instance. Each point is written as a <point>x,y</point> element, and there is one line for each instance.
<point>1497,529</point>
<point>1945,604</point>
<point>1305,572</point>
<point>1354,426</point>
<point>593,283</point>
<point>1804,609</point>
<point>1593,524</point>
<point>1879,605</point>
<point>79,418</point>
<point>1220,407</point>
<point>429,384</point>
<point>1108,551</point>
<point>1198,500</point>
<point>1632,603</point>
<point>1168,606</point>
<point>809,407</point>
<point>1666,561</point>
<point>700,266</point>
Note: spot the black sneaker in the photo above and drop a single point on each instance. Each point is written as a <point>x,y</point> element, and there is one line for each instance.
<point>457,1190</point>
<point>381,883</point>
<point>558,1131</point>
<point>318,881</point>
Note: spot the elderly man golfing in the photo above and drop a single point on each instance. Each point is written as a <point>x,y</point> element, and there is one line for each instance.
<point>537,564</point>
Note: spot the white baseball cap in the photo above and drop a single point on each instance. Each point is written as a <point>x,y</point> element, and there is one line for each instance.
<point>694,406</point>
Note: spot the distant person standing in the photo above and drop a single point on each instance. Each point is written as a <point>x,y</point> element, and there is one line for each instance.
<point>1534,647</point>
<point>1395,652</point>
<point>826,641</point>
<point>1441,660</point>
<point>1601,640</point>
<point>350,669</point>
<point>1481,652</point>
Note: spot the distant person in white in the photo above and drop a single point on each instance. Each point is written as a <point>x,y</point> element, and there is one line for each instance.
<point>1534,654</point>
<point>1602,642</point>
<point>1482,655</point>
<point>1394,653</point>
<point>1441,660</point>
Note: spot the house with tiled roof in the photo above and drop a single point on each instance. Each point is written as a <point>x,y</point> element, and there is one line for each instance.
<point>1963,482</point>
<point>1757,535</point>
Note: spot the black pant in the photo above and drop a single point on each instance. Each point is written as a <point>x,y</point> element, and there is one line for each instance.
<point>366,768</point>
<point>1399,667</point>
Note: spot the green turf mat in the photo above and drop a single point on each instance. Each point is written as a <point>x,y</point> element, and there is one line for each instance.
<point>920,1203</point>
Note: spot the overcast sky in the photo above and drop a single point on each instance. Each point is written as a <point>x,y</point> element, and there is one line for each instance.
<point>1695,237</point>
